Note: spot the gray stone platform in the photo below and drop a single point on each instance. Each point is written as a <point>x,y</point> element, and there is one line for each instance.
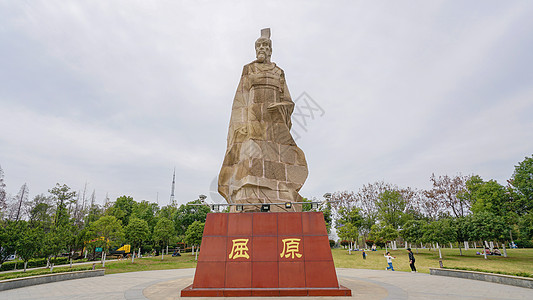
<point>365,284</point>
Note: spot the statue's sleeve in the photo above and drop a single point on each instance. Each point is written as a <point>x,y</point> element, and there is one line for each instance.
<point>238,111</point>
<point>288,108</point>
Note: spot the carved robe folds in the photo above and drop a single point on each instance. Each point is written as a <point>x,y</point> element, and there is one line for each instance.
<point>262,162</point>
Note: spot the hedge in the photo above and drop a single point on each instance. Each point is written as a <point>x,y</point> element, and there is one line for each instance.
<point>32,263</point>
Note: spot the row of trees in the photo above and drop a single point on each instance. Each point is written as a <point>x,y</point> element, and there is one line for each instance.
<point>64,222</point>
<point>456,209</point>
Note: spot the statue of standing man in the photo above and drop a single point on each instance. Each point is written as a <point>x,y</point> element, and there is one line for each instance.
<point>262,162</point>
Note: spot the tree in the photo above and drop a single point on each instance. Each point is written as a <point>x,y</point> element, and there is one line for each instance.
<point>107,231</point>
<point>487,226</point>
<point>122,209</point>
<point>381,233</point>
<point>525,227</point>
<point>9,234</point>
<point>21,199</point>
<point>137,231</point>
<point>448,192</point>
<point>522,184</point>
<point>348,232</point>
<point>489,196</point>
<point>347,215</point>
<point>194,233</point>
<point>187,214</point>
<point>146,211</point>
<point>413,232</point>
<point>328,218</point>
<point>440,232</point>
<point>40,210</point>
<point>391,206</point>
<point>63,196</point>
<point>29,242</point>
<point>164,231</point>
<point>462,234</point>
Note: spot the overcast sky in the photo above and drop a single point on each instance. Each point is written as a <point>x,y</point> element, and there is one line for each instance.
<point>116,94</point>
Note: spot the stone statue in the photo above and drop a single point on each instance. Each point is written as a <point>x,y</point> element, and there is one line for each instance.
<point>262,162</point>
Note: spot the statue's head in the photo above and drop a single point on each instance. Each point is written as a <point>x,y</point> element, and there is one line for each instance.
<point>263,46</point>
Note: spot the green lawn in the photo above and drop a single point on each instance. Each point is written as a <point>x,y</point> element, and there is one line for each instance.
<point>518,260</point>
<point>12,275</point>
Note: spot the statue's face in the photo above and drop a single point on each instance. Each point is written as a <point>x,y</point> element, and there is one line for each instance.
<point>263,50</point>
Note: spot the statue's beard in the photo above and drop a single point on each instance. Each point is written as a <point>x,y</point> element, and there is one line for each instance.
<point>261,56</point>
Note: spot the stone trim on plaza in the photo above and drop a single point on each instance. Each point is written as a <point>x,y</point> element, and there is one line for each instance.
<point>15,283</point>
<point>482,276</point>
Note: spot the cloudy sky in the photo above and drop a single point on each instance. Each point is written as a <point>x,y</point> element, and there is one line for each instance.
<point>116,94</point>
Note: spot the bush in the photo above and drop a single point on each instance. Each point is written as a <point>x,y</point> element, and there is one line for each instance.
<point>32,263</point>
<point>369,243</point>
<point>345,243</point>
<point>331,243</point>
<point>524,243</point>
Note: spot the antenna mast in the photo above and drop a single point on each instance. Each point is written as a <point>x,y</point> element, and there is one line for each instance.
<point>173,187</point>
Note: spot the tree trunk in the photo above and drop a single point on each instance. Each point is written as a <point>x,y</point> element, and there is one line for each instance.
<point>460,251</point>
<point>504,250</point>
<point>25,265</point>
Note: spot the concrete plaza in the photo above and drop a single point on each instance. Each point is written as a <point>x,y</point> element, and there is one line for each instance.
<point>365,284</point>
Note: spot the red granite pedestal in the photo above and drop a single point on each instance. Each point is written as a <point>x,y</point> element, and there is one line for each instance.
<point>265,254</point>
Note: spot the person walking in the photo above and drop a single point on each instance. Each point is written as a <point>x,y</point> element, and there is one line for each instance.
<point>411,260</point>
<point>389,261</point>
<point>364,254</point>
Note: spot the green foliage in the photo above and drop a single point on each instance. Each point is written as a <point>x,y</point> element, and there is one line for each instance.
<point>188,214</point>
<point>441,231</point>
<point>328,218</point>
<point>306,206</point>
<point>107,231</point>
<point>349,216</point>
<point>413,231</point>
<point>390,207</point>
<point>348,232</point>
<point>522,184</point>
<point>29,241</point>
<point>9,234</point>
<point>490,196</point>
<point>122,209</point>
<point>164,231</point>
<point>525,226</point>
<point>137,231</point>
<point>193,234</point>
<point>63,196</point>
<point>488,226</point>
<point>146,211</point>
<point>380,233</point>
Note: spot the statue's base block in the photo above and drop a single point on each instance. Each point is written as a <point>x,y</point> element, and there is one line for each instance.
<point>265,254</point>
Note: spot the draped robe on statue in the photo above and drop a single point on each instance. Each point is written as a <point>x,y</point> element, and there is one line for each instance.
<point>262,162</point>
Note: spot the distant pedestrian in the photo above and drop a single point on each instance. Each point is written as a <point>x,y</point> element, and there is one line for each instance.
<point>411,260</point>
<point>389,261</point>
<point>364,254</point>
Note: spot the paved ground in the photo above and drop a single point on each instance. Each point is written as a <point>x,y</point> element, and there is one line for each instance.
<point>365,284</point>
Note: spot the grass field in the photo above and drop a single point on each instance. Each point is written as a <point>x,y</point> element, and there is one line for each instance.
<point>518,260</point>
<point>151,263</point>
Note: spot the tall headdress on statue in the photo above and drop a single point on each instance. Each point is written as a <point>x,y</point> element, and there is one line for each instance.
<point>265,35</point>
